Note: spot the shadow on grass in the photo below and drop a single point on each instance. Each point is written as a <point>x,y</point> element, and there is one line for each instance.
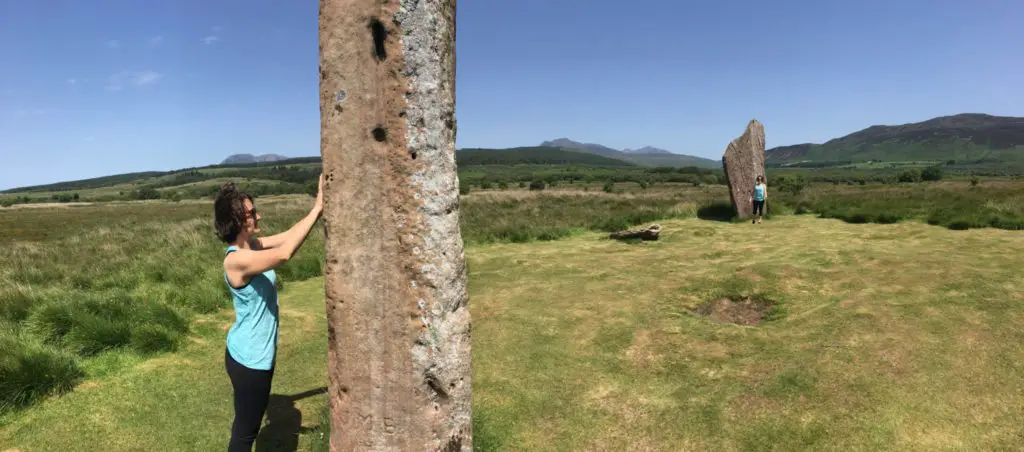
<point>284,422</point>
<point>720,211</point>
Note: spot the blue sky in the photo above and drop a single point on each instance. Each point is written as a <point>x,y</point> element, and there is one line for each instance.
<point>96,88</point>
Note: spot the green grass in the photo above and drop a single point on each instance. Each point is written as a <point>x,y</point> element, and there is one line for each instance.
<point>92,292</point>
<point>893,337</point>
<point>953,204</point>
<point>126,278</point>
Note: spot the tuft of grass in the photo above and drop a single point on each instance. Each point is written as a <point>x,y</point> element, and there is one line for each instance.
<point>15,303</point>
<point>151,338</point>
<point>30,372</point>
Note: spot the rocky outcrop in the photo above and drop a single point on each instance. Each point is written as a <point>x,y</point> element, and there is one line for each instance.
<point>743,161</point>
<point>647,234</point>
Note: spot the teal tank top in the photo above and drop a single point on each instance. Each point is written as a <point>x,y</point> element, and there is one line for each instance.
<point>252,339</point>
<point>759,192</point>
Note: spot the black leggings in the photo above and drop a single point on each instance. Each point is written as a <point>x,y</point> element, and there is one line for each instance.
<point>252,392</point>
<point>758,207</point>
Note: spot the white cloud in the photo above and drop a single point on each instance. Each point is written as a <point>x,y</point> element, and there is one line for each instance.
<point>156,40</point>
<point>117,81</point>
<point>147,77</point>
<point>72,81</point>
<point>210,39</point>
<point>113,44</point>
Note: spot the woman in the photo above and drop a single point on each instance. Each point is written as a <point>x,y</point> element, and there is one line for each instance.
<point>759,198</point>
<point>249,264</point>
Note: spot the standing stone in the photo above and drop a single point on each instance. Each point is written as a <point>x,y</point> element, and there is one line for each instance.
<point>395,273</point>
<point>743,161</point>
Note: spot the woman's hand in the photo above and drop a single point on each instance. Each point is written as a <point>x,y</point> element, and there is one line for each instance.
<point>318,206</point>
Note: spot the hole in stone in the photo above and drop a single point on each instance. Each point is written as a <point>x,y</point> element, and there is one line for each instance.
<point>380,33</point>
<point>338,108</point>
<point>747,311</point>
<point>412,154</point>
<point>380,134</point>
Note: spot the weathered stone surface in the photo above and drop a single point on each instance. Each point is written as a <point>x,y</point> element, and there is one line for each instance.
<point>395,275</point>
<point>743,161</point>
<point>648,234</point>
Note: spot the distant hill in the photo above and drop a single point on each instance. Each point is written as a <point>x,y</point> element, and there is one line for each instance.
<point>85,184</point>
<point>964,138</point>
<point>249,158</point>
<point>533,156</point>
<point>646,156</point>
<point>647,150</point>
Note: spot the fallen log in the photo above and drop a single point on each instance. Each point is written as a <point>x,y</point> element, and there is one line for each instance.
<point>650,233</point>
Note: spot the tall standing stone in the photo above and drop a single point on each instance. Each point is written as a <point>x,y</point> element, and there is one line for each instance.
<point>743,161</point>
<point>395,274</point>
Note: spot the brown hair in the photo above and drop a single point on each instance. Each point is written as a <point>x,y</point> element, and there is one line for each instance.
<point>229,212</point>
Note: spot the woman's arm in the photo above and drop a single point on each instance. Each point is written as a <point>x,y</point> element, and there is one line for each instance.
<point>252,262</point>
<point>277,240</point>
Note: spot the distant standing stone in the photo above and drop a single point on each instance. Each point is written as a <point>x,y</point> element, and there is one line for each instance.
<point>743,161</point>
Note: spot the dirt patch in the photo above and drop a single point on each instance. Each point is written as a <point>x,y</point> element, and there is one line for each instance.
<point>746,311</point>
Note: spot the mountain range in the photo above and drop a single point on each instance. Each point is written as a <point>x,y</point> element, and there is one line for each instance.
<point>968,140</point>
<point>964,138</point>
<point>646,156</point>
<point>249,158</point>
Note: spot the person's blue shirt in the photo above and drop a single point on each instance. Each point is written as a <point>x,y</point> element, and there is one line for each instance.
<point>252,339</point>
<point>759,190</point>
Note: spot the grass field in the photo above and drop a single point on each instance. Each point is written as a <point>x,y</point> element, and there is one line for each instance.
<point>893,336</point>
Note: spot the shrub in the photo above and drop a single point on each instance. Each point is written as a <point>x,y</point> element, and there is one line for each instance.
<point>503,185</point>
<point>933,173</point>
<point>609,187</point>
<point>536,185</point>
<point>522,185</point>
<point>485,186</point>
<point>909,176</point>
<point>464,188</point>
<point>147,193</point>
<point>975,181</point>
<point>791,184</point>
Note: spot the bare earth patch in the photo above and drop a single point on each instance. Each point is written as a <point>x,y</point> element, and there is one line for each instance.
<point>744,311</point>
